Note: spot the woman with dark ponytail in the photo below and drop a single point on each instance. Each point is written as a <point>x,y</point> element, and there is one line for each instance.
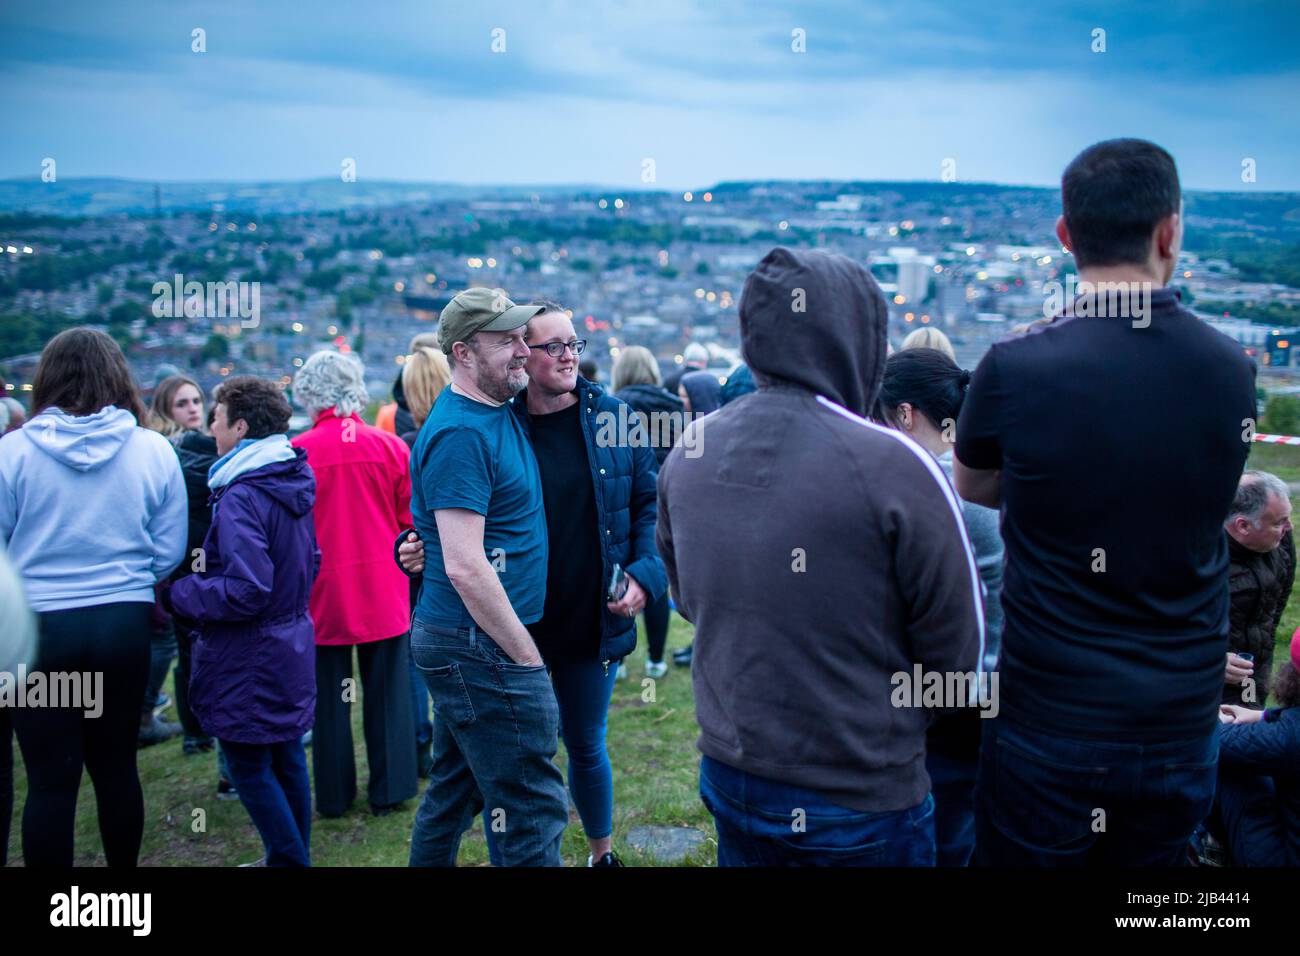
<point>921,394</point>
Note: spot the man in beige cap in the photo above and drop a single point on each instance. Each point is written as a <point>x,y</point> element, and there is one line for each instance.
<point>476,501</point>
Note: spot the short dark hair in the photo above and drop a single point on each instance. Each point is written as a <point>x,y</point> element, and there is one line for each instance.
<point>1286,685</point>
<point>258,402</point>
<point>81,371</point>
<point>927,380</point>
<point>1112,195</point>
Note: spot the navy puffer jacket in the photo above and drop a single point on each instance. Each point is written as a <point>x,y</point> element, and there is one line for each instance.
<point>625,477</point>
<point>1268,748</point>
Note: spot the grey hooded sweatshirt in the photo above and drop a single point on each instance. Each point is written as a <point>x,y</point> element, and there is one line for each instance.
<point>818,554</point>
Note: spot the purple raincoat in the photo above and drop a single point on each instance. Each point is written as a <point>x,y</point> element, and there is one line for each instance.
<point>253,668</point>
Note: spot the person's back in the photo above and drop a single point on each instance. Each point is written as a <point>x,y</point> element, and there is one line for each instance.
<point>93,509</point>
<point>362,502</point>
<point>1121,448</point>
<point>1112,439</point>
<point>817,554</point>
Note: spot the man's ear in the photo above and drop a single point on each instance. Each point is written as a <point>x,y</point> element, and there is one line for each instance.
<point>1166,237</point>
<point>1062,233</point>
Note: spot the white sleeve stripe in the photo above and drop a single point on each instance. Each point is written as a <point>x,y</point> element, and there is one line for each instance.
<point>954,505</point>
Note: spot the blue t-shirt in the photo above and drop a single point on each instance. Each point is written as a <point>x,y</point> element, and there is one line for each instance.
<point>476,456</point>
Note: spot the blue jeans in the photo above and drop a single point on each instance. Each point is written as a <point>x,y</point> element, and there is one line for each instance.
<point>582,692</point>
<point>765,823</point>
<point>420,707</point>
<point>952,784</point>
<point>1043,800</point>
<point>494,743</point>
<point>275,788</point>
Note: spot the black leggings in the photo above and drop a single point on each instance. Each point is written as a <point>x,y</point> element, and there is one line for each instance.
<point>112,641</point>
<point>656,627</point>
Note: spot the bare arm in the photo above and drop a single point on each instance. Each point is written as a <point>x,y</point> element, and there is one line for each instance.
<point>978,485</point>
<point>461,533</point>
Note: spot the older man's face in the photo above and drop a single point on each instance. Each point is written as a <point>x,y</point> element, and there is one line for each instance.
<point>1266,533</point>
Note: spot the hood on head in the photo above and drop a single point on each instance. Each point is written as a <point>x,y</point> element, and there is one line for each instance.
<point>816,321</point>
<point>83,442</point>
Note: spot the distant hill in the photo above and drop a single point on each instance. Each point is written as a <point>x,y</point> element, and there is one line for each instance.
<point>98,197</point>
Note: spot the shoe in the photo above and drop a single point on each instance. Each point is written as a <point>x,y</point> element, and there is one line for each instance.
<point>424,761</point>
<point>682,657</point>
<point>156,731</point>
<point>197,745</point>
<point>609,859</point>
<point>655,669</point>
<point>261,862</point>
<point>384,809</point>
<point>621,674</point>
<point>226,790</point>
<point>162,703</point>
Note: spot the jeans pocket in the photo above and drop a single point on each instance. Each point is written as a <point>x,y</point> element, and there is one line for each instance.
<point>450,696</point>
<point>824,847</point>
<point>1046,803</point>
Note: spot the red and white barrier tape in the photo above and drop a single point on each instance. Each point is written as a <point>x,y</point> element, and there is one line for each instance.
<point>1278,439</point>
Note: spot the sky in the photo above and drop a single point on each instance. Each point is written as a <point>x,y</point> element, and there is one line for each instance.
<point>587,92</point>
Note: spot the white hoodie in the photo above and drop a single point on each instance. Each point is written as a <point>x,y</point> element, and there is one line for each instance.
<point>92,508</point>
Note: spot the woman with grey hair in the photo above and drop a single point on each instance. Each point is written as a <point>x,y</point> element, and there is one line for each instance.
<point>360,599</point>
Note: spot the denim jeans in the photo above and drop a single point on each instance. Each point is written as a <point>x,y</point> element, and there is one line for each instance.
<point>494,741</point>
<point>420,707</point>
<point>763,822</point>
<point>1043,800</point>
<point>582,690</point>
<point>952,784</point>
<point>275,789</point>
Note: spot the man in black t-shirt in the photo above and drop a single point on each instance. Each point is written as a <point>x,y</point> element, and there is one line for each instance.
<point>1113,439</point>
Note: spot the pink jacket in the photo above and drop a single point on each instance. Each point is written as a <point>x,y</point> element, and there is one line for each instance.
<point>363,499</point>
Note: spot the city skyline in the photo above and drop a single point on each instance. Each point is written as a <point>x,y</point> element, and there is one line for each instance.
<point>586,94</point>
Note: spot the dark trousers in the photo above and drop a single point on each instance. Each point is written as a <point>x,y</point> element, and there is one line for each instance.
<point>656,627</point>
<point>162,651</point>
<point>189,723</point>
<point>275,790</point>
<point>495,734</point>
<point>386,719</point>
<point>1043,800</point>
<point>1248,819</point>
<point>764,822</point>
<point>6,782</point>
<point>112,640</point>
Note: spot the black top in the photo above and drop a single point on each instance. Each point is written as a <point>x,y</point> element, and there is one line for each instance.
<point>1120,444</point>
<point>570,624</point>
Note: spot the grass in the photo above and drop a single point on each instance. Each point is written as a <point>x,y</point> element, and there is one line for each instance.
<point>651,747</point>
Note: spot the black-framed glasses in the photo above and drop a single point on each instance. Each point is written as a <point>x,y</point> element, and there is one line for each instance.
<point>556,349</point>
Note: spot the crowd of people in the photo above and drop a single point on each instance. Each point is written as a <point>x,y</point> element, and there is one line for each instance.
<point>1070,527</point>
